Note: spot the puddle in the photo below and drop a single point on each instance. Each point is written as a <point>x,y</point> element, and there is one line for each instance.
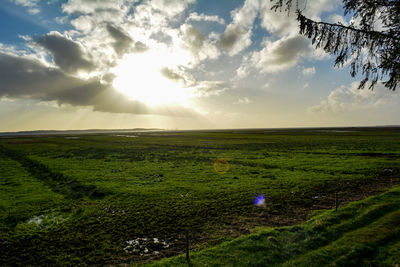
<point>337,131</point>
<point>123,135</point>
<point>146,246</point>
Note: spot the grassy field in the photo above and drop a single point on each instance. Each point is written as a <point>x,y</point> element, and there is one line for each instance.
<point>364,233</point>
<point>126,198</point>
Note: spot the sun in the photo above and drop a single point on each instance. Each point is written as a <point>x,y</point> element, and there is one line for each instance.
<point>138,76</point>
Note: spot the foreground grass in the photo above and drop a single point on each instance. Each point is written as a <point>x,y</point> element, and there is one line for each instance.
<point>363,233</point>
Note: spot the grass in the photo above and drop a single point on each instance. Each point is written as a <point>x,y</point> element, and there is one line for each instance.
<point>104,199</point>
<point>363,233</point>
<point>21,194</point>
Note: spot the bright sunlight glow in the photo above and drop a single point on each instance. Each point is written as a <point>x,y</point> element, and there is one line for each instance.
<point>139,77</point>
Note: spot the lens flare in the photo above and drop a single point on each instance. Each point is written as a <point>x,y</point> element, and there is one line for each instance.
<point>259,201</point>
<point>221,166</point>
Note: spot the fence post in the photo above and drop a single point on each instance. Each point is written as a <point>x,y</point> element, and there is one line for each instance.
<point>336,201</point>
<point>187,247</point>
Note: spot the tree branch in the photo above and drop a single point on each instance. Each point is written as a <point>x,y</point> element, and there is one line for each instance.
<point>383,35</point>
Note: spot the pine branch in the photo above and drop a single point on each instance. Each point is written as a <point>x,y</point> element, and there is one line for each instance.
<point>373,33</point>
<point>374,54</point>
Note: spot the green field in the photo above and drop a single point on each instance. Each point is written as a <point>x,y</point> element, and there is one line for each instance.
<point>364,233</point>
<point>129,198</point>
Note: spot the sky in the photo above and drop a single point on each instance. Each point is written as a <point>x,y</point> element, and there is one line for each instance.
<point>171,64</point>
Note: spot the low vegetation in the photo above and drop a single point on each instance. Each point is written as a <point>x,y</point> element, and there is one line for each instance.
<point>112,199</point>
<point>363,233</point>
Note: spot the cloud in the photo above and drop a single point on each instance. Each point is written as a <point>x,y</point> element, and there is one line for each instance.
<point>210,88</point>
<point>202,17</point>
<point>277,23</point>
<point>111,29</point>
<point>66,53</point>
<point>237,35</point>
<point>34,11</point>
<point>170,7</point>
<point>193,40</point>
<point>90,16</point>
<point>154,16</point>
<point>243,100</point>
<point>281,54</point>
<point>26,3</point>
<point>25,78</point>
<point>32,5</point>
<point>28,78</point>
<point>336,18</point>
<point>284,47</point>
<point>350,98</point>
<point>197,88</point>
<point>243,70</point>
<point>89,7</point>
<point>123,42</point>
<point>309,72</point>
<point>61,20</point>
<point>172,75</point>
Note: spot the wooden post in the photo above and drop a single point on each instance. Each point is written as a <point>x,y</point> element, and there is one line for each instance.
<point>187,247</point>
<point>336,201</point>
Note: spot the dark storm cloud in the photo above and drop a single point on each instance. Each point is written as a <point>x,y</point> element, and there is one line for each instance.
<point>28,78</point>
<point>124,43</point>
<point>67,54</point>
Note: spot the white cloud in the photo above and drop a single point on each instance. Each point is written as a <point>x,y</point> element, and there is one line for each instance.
<point>350,98</point>
<point>282,24</point>
<point>237,35</point>
<point>309,72</point>
<point>277,23</point>
<point>306,85</point>
<point>243,70</point>
<point>170,7</point>
<point>202,17</point>
<point>89,7</point>
<point>61,20</point>
<point>26,3</point>
<point>243,100</point>
<point>34,11</point>
<point>280,55</point>
<point>336,18</point>
<point>103,34</point>
<point>284,47</point>
<point>32,5</point>
<point>199,45</point>
<point>210,88</point>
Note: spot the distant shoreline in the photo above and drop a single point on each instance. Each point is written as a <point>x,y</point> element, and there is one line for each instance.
<point>68,132</point>
<point>136,130</point>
